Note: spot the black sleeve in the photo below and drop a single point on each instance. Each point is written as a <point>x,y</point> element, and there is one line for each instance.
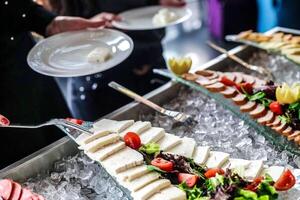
<point>152,2</point>
<point>39,18</point>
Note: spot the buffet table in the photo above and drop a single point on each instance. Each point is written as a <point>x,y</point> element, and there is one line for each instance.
<point>61,171</point>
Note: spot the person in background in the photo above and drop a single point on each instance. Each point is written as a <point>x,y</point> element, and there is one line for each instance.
<point>89,97</point>
<point>26,96</point>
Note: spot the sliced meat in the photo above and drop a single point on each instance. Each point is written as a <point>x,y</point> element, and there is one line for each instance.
<point>229,92</point>
<point>207,73</point>
<point>280,128</point>
<point>268,118</point>
<point>216,87</point>
<point>204,81</point>
<point>248,79</point>
<point>240,99</point>
<point>230,76</point>
<point>287,131</point>
<point>16,191</point>
<point>41,197</point>
<point>249,106</point>
<point>238,77</point>
<point>276,122</point>
<point>190,76</point>
<point>6,187</point>
<point>294,135</point>
<point>26,194</point>
<point>297,140</point>
<point>259,111</point>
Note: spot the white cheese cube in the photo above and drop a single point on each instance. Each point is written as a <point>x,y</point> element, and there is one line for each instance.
<point>216,159</point>
<point>201,155</point>
<point>95,136</point>
<point>236,163</point>
<point>153,134</point>
<point>168,142</point>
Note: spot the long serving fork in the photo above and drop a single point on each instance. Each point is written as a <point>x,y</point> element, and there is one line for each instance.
<point>259,69</point>
<point>57,122</point>
<point>177,116</point>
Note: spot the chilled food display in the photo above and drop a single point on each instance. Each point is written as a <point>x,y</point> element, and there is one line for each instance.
<point>11,190</point>
<point>287,45</point>
<point>153,164</point>
<point>275,106</point>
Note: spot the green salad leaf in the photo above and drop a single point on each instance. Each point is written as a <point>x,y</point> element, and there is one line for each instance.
<point>214,182</point>
<point>257,96</point>
<point>153,168</point>
<point>150,148</point>
<point>194,193</point>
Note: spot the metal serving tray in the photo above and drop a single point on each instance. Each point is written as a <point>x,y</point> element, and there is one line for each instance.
<point>43,159</point>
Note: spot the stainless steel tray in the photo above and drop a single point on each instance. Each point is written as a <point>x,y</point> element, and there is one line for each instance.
<point>43,159</point>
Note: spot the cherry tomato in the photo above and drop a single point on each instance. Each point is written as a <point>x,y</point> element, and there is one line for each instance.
<point>276,108</point>
<point>227,81</point>
<point>133,140</point>
<point>162,164</point>
<point>212,172</point>
<point>286,181</point>
<point>253,185</point>
<point>189,179</point>
<point>245,87</point>
<point>75,121</point>
<point>4,121</point>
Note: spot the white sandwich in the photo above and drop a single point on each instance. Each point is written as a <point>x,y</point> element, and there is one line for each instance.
<point>169,193</point>
<point>122,160</point>
<point>152,188</point>
<point>99,55</point>
<point>106,151</point>
<point>153,134</point>
<point>185,148</point>
<point>101,142</point>
<point>201,154</point>
<point>138,127</point>
<point>216,159</point>
<point>112,125</point>
<point>168,142</point>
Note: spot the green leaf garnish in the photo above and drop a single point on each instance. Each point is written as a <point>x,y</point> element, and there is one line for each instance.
<point>285,119</point>
<point>150,148</point>
<point>257,96</point>
<point>153,168</point>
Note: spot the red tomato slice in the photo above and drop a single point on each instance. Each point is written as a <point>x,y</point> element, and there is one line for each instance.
<point>286,181</point>
<point>213,172</point>
<point>162,164</point>
<point>276,108</point>
<point>4,121</point>
<point>26,194</point>
<point>245,87</point>
<point>189,179</point>
<point>132,140</point>
<point>6,187</point>
<point>227,81</point>
<point>75,121</point>
<point>253,185</point>
<point>16,192</point>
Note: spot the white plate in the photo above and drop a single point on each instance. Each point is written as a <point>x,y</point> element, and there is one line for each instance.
<point>65,54</point>
<point>141,18</point>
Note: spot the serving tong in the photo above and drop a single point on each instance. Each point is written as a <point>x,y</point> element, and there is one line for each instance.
<point>177,116</point>
<point>259,69</point>
<point>62,123</point>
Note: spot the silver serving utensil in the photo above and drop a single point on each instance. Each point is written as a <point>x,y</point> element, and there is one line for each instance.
<point>177,116</point>
<point>58,122</point>
<point>259,69</point>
